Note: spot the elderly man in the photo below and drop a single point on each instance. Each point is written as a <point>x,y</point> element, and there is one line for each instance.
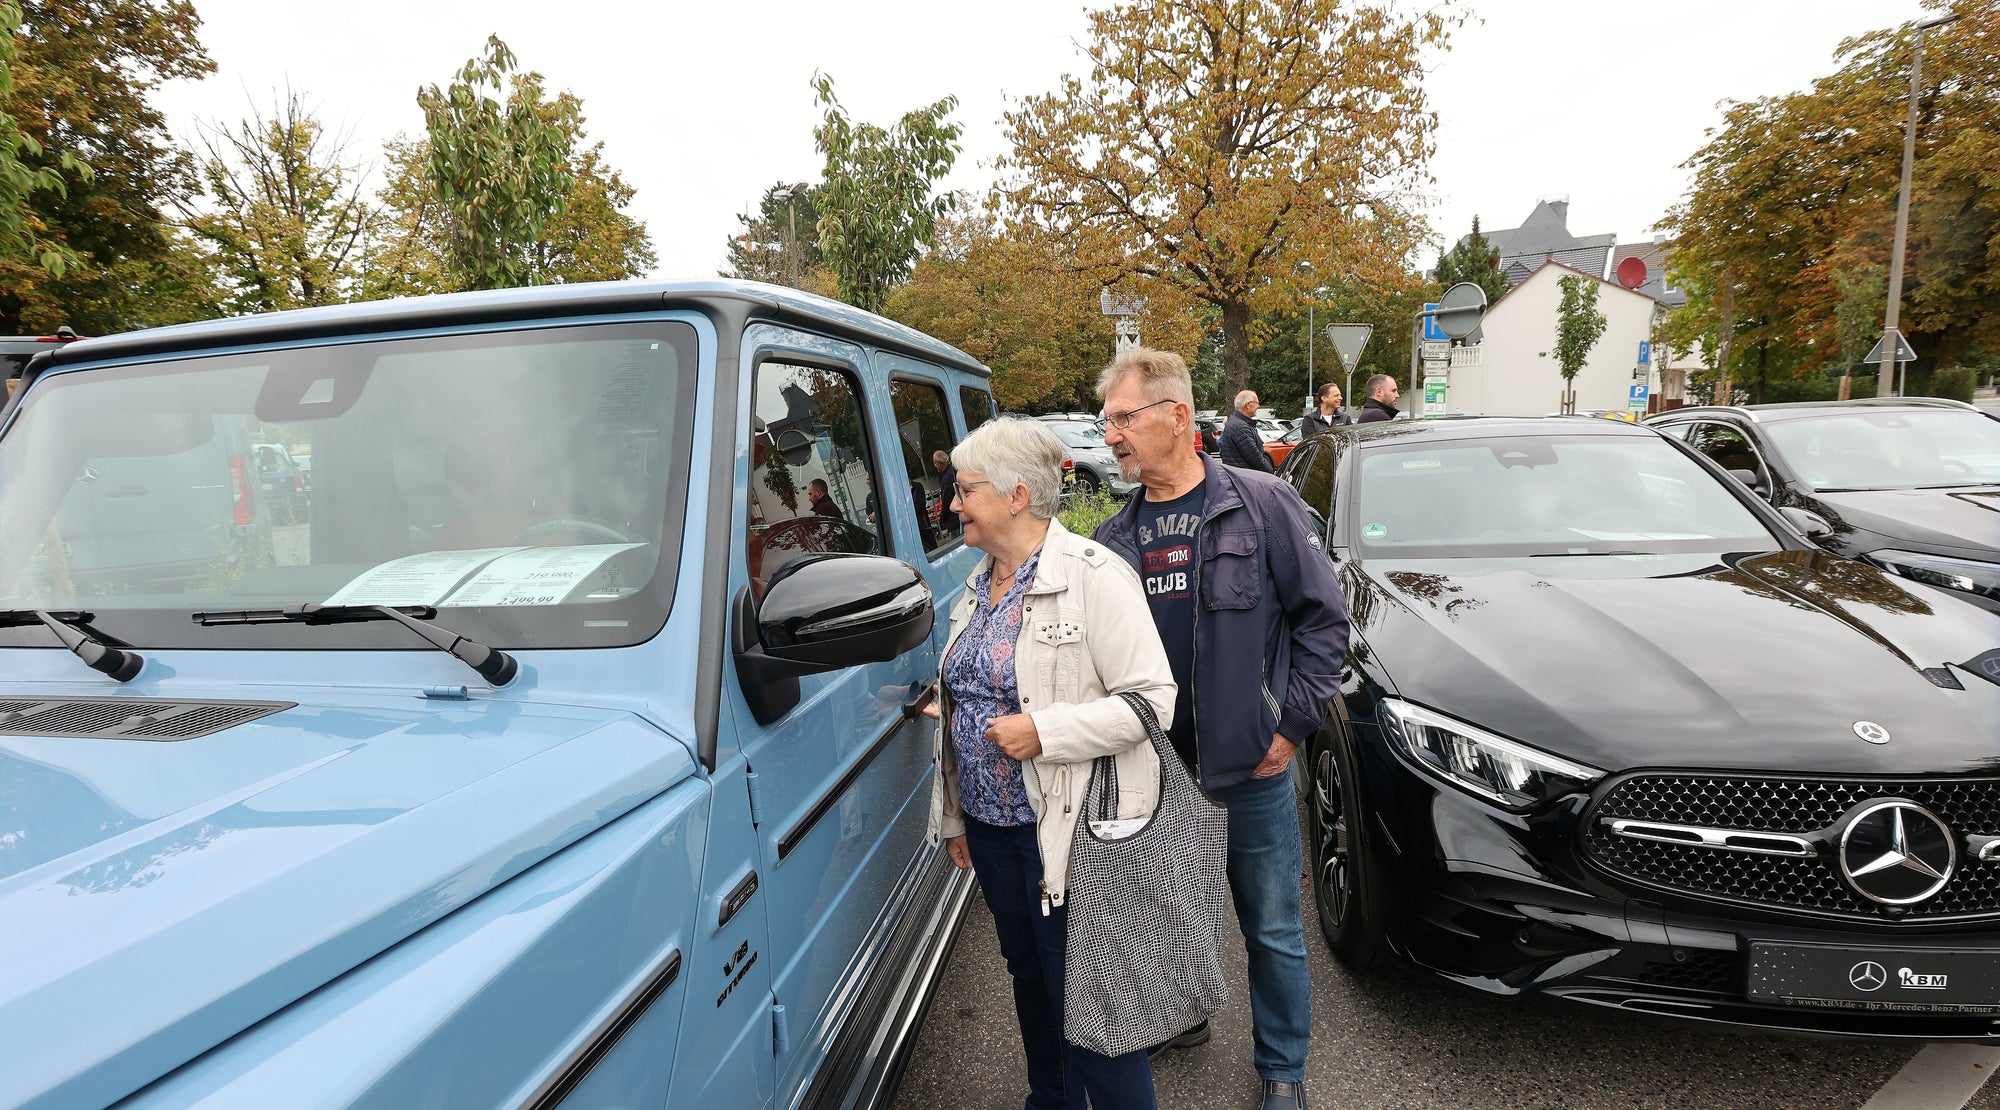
<point>1383,392</point>
<point>1328,415</point>
<point>1241,445</point>
<point>947,478</point>
<point>1256,672</point>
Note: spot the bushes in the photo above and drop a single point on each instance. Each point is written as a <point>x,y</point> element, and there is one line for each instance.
<point>1954,382</point>
<point>1082,513</point>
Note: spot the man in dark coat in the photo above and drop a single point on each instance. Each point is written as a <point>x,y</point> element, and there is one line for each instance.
<point>1328,416</point>
<point>1241,445</point>
<point>1382,396</point>
<point>947,480</point>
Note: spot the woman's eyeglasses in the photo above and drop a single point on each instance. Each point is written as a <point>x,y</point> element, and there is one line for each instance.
<point>964,487</point>
<point>1123,420</point>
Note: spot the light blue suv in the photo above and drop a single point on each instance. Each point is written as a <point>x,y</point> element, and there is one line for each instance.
<point>565,748</point>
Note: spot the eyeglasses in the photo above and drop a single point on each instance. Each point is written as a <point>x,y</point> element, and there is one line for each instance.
<point>1123,420</point>
<point>963,487</point>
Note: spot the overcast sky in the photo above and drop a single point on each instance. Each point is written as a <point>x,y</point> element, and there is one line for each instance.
<point>701,105</point>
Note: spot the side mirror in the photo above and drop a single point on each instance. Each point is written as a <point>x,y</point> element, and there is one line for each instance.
<point>1751,479</point>
<point>821,614</point>
<point>1810,524</point>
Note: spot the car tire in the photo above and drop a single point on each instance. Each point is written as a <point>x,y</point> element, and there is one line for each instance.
<point>1087,483</point>
<point>1344,879</point>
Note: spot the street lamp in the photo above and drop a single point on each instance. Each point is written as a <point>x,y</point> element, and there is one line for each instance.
<point>790,195</point>
<point>1890,366</point>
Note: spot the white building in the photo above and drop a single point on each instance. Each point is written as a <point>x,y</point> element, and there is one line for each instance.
<point>1508,374</point>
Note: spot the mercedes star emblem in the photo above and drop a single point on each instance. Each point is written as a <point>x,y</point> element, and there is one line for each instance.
<point>1867,976</point>
<point>1871,732</point>
<point>1896,852</point>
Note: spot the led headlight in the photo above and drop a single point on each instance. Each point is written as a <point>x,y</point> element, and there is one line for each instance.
<point>1513,776</point>
<point>1968,575</point>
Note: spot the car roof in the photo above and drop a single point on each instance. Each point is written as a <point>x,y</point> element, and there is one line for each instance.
<point>1795,410</point>
<point>1490,427</point>
<point>755,300</point>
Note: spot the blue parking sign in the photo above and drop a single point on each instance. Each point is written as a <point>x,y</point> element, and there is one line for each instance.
<point>1645,351</point>
<point>1431,329</point>
<point>1637,398</point>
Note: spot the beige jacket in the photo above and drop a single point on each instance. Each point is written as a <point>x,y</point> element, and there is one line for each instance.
<point>1087,636</point>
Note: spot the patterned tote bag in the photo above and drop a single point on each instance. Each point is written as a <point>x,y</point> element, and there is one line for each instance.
<point>1146,910</point>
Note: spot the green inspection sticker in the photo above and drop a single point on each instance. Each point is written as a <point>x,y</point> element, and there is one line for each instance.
<point>1373,531</point>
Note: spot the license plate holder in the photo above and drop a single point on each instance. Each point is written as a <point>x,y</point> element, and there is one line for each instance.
<point>1929,980</point>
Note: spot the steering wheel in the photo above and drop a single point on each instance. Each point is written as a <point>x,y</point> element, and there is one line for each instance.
<point>594,529</point>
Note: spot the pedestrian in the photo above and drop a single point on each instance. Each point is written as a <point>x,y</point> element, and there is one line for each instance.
<point>947,478</point>
<point>1327,415</point>
<point>1383,393</point>
<point>821,499</point>
<point>1241,445</point>
<point>1050,631</point>
<point>1255,673</point>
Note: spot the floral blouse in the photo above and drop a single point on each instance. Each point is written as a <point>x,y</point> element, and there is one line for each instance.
<point>979,675</point>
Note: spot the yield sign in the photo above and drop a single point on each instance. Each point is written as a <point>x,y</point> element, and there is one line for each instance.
<point>1348,341</point>
<point>1903,351</point>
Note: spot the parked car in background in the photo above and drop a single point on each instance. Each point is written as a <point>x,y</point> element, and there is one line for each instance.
<point>281,480</point>
<point>1613,730</point>
<point>568,749</point>
<point>1911,484</point>
<point>1281,448</point>
<point>1096,466</point>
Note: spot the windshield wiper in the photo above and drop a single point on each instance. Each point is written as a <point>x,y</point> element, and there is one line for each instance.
<point>1584,554</point>
<point>493,665</point>
<point>73,629</point>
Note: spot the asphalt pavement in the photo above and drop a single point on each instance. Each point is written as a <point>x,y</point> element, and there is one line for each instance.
<point>1397,1039</point>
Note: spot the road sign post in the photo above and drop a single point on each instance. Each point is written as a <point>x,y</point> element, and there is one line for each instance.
<point>1456,315</point>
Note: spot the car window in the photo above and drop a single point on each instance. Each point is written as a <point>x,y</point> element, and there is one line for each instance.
<point>812,481</point>
<point>977,404</point>
<point>1730,448</point>
<point>1676,430</point>
<point>450,474</point>
<point>1544,495</point>
<point>925,434</point>
<point>1084,436</point>
<point>1315,484</point>
<point>1890,450</point>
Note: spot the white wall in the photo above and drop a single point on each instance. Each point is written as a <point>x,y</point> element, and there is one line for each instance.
<point>1514,380</point>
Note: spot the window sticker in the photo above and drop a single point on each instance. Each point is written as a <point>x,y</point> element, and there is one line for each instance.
<point>536,575</point>
<point>416,579</point>
<point>1373,531</point>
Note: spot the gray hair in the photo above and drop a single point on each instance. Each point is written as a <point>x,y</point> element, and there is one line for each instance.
<point>1244,398</point>
<point>1163,375</point>
<point>1016,451</point>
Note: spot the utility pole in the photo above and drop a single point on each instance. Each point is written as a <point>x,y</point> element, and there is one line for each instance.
<point>1892,316</point>
<point>1310,396</point>
<point>1728,332</point>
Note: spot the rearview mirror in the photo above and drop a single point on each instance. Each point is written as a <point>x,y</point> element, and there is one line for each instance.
<point>823,613</point>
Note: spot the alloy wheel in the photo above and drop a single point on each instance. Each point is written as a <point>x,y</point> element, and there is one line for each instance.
<point>1330,838</point>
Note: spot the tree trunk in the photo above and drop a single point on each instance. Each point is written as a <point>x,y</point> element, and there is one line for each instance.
<point>1235,351</point>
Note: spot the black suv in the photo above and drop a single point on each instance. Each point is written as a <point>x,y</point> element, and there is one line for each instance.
<point>1911,484</point>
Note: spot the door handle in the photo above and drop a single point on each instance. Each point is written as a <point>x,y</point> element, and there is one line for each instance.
<point>914,708</point>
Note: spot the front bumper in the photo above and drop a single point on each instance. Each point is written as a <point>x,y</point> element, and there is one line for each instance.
<point>1508,905</point>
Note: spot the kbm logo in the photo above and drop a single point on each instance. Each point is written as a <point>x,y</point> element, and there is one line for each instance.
<point>1913,981</point>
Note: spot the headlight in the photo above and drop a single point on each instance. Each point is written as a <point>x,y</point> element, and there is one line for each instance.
<point>1513,776</point>
<point>1968,575</point>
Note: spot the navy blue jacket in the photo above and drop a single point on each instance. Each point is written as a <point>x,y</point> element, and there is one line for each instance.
<point>1242,446</point>
<point>1270,626</point>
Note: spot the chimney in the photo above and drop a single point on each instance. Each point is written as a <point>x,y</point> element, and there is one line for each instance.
<point>1561,209</point>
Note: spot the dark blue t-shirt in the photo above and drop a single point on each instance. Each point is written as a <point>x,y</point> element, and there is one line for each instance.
<point>1169,534</point>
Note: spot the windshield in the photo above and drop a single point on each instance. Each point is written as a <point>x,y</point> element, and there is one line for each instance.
<point>1078,435</point>
<point>1545,495</point>
<point>528,483</point>
<point>1890,450</point>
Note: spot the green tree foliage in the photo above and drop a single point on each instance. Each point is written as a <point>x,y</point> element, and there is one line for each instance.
<point>876,208</point>
<point>1474,259</point>
<point>589,236</point>
<point>284,214</point>
<point>1794,197</point>
<point>500,161</point>
<point>81,77</point>
<point>18,182</point>
<point>1234,147</point>
<point>1578,328</point>
<point>780,244</point>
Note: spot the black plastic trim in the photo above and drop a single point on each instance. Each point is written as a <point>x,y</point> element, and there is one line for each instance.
<point>729,316</point>
<point>737,898</point>
<point>821,808</point>
<point>577,1067</point>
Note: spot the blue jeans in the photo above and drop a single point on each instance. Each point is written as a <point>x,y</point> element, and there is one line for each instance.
<point>1009,865</point>
<point>1265,861</point>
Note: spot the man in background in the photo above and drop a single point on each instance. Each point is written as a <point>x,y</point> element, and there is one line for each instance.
<point>1241,445</point>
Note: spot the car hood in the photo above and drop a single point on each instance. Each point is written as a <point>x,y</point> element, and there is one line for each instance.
<point>159,897</point>
<point>1754,662</point>
<point>1957,520</point>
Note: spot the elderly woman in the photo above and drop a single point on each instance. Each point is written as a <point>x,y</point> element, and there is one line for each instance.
<point>1050,630</point>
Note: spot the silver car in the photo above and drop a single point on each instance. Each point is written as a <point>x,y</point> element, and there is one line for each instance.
<point>1096,466</point>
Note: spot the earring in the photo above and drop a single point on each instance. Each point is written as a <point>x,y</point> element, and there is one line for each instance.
<point>1013,512</point>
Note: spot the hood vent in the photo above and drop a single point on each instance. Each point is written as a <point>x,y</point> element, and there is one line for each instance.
<point>128,718</point>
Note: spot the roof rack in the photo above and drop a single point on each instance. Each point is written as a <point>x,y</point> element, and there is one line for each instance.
<point>1927,402</point>
<point>1739,410</point>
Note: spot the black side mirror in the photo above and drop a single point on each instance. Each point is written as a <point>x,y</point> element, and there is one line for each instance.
<point>821,614</point>
<point>1750,478</point>
<point>1810,524</point>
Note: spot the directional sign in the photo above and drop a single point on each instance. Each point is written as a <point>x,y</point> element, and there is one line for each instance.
<point>1903,351</point>
<point>1432,331</point>
<point>1348,341</point>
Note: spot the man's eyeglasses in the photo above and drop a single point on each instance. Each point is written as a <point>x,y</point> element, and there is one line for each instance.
<point>964,487</point>
<point>1123,420</point>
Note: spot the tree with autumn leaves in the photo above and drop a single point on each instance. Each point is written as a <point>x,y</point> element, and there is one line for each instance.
<point>1785,233</point>
<point>1245,151</point>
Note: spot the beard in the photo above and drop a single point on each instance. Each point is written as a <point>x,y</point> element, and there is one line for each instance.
<point>1128,467</point>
